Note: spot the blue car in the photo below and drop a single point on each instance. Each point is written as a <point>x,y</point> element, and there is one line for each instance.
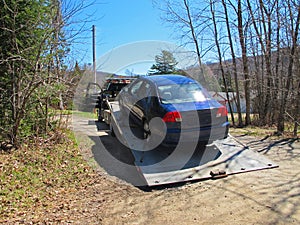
<point>186,110</point>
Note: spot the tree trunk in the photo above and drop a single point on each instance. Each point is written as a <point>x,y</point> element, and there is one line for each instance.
<point>220,60</point>
<point>237,97</point>
<point>294,34</point>
<point>297,111</point>
<point>245,63</point>
<point>195,40</point>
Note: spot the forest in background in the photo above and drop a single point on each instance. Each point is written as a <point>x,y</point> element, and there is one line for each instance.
<point>256,47</point>
<point>36,75</point>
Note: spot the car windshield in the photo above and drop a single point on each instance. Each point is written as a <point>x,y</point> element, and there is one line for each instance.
<point>181,93</point>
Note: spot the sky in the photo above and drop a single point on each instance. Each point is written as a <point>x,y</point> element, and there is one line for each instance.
<point>126,21</point>
<point>120,23</point>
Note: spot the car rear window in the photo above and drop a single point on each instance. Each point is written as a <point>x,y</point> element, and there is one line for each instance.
<point>181,93</point>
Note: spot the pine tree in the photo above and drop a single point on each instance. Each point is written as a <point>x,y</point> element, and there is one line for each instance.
<point>31,41</point>
<point>165,64</point>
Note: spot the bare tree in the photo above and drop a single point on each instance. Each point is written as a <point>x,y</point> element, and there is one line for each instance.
<point>242,39</point>
<point>265,30</point>
<point>297,108</point>
<point>180,15</point>
<point>294,33</point>
<point>234,64</point>
<point>263,38</point>
<point>216,35</point>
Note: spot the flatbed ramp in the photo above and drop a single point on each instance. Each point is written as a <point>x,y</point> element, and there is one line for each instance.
<point>168,165</point>
<point>223,158</point>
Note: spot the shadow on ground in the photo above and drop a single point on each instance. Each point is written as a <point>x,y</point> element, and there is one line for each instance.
<point>118,160</point>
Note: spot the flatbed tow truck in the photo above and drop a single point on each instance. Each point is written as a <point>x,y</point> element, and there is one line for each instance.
<point>164,165</point>
<point>109,92</point>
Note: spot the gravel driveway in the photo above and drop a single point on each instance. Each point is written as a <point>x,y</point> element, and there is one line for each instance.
<point>261,197</point>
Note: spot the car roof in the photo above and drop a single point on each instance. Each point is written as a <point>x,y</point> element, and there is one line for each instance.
<point>166,79</point>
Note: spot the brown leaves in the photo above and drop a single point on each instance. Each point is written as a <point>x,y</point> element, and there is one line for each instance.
<point>41,179</point>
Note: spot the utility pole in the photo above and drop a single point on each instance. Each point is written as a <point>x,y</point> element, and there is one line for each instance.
<point>94,52</point>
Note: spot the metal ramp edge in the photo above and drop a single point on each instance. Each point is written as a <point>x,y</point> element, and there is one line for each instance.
<point>234,158</point>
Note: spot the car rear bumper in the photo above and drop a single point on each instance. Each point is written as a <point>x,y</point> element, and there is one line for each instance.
<point>206,134</point>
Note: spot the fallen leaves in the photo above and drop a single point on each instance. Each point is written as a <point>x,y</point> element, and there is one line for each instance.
<point>41,180</point>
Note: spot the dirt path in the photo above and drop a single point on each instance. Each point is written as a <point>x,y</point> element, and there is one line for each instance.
<point>261,197</point>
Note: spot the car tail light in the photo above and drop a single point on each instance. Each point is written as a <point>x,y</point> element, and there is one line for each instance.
<point>222,111</point>
<point>172,117</point>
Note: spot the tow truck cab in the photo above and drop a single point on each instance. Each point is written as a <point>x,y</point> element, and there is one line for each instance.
<point>109,92</point>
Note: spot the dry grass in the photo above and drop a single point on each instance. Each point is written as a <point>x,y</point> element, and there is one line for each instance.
<point>40,177</point>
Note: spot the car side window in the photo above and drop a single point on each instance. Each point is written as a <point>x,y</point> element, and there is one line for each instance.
<point>151,96</point>
<point>135,88</point>
<point>147,90</point>
<point>143,91</point>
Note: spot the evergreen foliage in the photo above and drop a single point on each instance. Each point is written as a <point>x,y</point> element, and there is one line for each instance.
<point>32,49</point>
<point>165,63</point>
